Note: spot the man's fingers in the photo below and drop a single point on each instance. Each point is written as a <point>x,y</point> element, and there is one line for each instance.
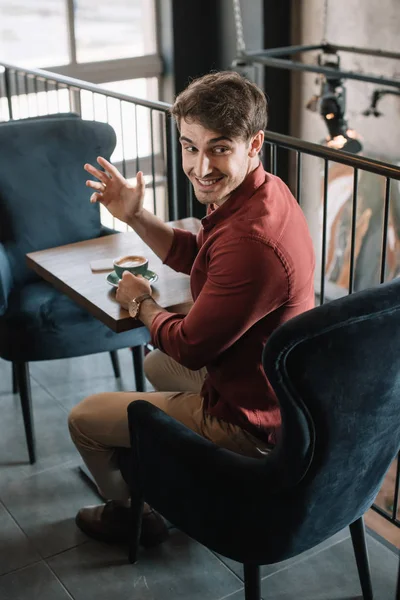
<point>140,182</point>
<point>127,274</point>
<point>109,168</point>
<point>103,177</point>
<point>96,185</point>
<point>96,198</point>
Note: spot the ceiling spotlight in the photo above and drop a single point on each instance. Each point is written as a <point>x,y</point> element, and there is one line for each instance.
<point>331,104</point>
<point>332,108</point>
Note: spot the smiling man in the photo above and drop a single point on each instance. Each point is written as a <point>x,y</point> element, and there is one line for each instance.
<point>251,268</point>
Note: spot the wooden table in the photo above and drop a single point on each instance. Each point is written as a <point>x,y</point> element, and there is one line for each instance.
<point>68,269</point>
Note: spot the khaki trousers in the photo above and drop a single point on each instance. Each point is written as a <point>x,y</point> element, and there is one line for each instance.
<point>99,424</point>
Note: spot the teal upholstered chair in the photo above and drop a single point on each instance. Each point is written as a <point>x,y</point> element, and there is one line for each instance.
<point>44,203</point>
<point>335,370</point>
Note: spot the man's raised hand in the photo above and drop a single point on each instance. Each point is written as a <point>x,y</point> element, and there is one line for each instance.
<point>122,199</point>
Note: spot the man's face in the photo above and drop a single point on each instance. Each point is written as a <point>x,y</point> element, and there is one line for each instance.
<point>216,165</point>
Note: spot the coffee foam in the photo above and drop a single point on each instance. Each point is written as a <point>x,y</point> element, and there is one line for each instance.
<point>131,261</point>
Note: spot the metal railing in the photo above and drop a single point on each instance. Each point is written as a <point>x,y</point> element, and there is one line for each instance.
<point>353,202</point>
<point>146,137</point>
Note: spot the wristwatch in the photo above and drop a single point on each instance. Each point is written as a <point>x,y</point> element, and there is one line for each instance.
<point>134,305</point>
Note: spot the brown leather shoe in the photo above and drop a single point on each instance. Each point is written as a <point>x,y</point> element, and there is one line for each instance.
<point>110,523</point>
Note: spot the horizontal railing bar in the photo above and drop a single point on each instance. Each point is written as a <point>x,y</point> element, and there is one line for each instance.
<point>352,160</point>
<point>83,85</point>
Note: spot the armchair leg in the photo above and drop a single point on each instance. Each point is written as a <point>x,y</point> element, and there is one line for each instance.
<point>136,525</point>
<point>24,385</point>
<point>137,353</point>
<point>14,379</point>
<point>357,531</point>
<point>115,364</point>
<point>252,582</point>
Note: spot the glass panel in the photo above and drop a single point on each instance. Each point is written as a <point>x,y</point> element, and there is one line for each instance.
<point>34,33</point>
<point>117,29</point>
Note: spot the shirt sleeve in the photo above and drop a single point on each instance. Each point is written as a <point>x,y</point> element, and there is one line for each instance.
<point>183,251</point>
<point>246,280</point>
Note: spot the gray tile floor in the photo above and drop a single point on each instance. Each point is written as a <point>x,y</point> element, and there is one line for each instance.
<point>43,556</point>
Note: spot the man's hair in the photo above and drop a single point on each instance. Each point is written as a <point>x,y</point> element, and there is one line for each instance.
<point>224,102</point>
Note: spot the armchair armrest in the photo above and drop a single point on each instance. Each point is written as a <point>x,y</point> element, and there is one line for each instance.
<point>6,280</point>
<point>168,456</point>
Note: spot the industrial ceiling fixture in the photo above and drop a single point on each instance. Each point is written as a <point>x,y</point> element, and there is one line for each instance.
<point>331,104</point>
<point>331,101</point>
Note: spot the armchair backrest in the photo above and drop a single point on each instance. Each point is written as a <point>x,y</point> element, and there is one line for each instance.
<point>43,198</point>
<point>339,364</point>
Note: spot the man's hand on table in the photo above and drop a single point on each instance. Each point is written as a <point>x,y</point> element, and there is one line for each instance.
<point>133,286</point>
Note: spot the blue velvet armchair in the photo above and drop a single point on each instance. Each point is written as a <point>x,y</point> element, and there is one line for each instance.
<point>335,370</point>
<point>44,203</point>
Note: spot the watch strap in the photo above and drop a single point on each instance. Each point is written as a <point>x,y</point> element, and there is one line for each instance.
<point>138,301</point>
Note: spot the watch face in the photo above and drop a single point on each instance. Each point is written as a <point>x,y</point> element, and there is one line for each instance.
<point>133,309</point>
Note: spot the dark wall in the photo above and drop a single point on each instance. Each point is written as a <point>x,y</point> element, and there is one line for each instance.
<point>277,82</point>
<point>198,36</point>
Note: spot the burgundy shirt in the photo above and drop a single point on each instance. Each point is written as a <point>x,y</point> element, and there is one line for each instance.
<point>251,269</point>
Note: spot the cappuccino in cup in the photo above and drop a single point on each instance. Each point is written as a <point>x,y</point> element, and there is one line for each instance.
<point>137,265</point>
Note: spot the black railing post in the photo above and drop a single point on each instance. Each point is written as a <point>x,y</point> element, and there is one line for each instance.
<point>385,230</point>
<point>324,224</point>
<point>298,177</point>
<point>7,85</point>
<point>172,167</point>
<point>396,491</point>
<point>353,231</point>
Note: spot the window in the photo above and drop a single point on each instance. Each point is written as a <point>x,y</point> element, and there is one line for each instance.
<point>112,44</point>
<point>92,40</point>
<point>34,33</point>
<point>110,30</point>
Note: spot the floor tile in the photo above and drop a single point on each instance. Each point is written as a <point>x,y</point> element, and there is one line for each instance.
<point>71,380</point>
<point>36,582</point>
<point>44,506</point>
<point>179,569</point>
<point>53,443</point>
<point>5,377</point>
<point>332,575</point>
<point>267,569</point>
<point>16,550</point>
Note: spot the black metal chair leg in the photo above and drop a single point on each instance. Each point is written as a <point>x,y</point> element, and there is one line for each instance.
<point>115,364</point>
<point>138,353</point>
<point>136,526</point>
<point>357,531</point>
<point>252,582</point>
<point>24,384</point>
<point>14,380</point>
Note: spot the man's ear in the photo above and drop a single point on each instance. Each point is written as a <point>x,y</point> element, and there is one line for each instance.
<point>256,143</point>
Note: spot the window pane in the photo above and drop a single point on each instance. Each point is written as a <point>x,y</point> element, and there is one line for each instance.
<point>33,33</point>
<point>117,29</point>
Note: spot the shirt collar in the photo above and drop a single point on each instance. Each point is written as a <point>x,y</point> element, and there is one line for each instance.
<point>235,201</point>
